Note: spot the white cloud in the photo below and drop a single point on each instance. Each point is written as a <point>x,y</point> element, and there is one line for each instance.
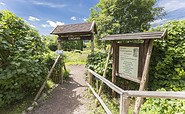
<point>85,19</point>
<point>171,5</point>
<point>31,18</point>
<point>1,3</point>
<point>73,18</point>
<point>159,21</point>
<point>52,5</point>
<point>45,25</point>
<point>52,24</point>
<point>32,26</point>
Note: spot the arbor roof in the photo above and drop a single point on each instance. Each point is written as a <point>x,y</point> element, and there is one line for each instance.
<point>141,36</point>
<point>75,29</point>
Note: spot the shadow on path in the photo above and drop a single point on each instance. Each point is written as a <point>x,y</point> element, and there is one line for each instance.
<point>67,98</point>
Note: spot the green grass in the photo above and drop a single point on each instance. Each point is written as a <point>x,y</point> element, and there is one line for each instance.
<point>76,57</point>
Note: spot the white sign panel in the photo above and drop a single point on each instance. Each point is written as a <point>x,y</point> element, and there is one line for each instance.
<point>59,52</point>
<point>128,61</point>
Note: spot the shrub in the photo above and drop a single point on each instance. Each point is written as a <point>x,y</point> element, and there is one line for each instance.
<point>167,67</point>
<point>21,59</point>
<point>163,106</point>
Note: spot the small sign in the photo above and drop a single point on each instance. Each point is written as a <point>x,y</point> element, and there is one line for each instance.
<point>128,61</point>
<point>60,52</point>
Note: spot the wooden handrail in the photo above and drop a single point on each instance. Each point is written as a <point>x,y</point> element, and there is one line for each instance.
<point>157,94</point>
<point>107,82</point>
<point>124,95</point>
<point>49,74</point>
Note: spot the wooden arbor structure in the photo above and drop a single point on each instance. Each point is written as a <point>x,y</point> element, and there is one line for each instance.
<point>131,60</point>
<point>81,31</point>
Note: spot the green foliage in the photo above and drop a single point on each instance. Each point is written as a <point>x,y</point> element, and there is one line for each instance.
<point>97,61</point>
<point>21,59</point>
<point>167,67</point>
<point>124,16</point>
<point>163,106</point>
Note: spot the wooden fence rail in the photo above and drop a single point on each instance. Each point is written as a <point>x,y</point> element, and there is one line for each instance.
<point>124,95</point>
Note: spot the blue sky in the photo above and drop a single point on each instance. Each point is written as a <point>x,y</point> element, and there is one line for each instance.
<point>44,15</point>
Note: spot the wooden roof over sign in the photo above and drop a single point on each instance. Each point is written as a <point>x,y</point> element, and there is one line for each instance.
<point>75,29</point>
<point>139,36</point>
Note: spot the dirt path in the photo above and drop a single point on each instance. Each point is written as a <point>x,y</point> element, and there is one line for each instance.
<point>68,98</point>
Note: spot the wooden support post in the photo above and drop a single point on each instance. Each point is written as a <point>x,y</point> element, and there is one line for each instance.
<point>97,84</point>
<point>60,81</point>
<point>90,77</point>
<point>124,104</point>
<point>105,72</point>
<point>144,76</point>
<point>114,67</point>
<point>92,46</point>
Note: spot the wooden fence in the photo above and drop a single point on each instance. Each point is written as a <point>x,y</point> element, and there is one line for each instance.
<point>125,95</point>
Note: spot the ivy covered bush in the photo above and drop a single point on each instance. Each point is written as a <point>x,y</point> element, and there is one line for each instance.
<point>22,69</point>
<point>167,66</point>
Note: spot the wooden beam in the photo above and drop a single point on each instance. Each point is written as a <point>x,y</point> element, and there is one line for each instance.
<point>92,46</point>
<point>100,100</point>
<point>144,76</point>
<point>156,94</point>
<point>114,66</point>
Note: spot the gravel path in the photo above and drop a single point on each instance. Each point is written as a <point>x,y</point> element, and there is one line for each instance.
<point>68,98</point>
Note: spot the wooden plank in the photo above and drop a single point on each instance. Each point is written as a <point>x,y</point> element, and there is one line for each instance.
<point>100,100</point>
<point>49,74</point>
<point>107,82</point>
<point>156,94</point>
<point>124,104</point>
<point>144,76</point>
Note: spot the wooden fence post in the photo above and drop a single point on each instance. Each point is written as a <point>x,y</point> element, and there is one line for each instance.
<point>60,61</point>
<point>92,46</point>
<point>124,103</point>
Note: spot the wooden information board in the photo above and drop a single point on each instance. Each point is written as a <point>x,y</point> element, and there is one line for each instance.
<point>128,61</point>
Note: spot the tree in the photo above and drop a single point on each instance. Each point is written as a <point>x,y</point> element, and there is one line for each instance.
<point>124,16</point>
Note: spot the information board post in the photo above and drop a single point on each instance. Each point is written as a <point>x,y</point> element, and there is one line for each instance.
<point>139,100</point>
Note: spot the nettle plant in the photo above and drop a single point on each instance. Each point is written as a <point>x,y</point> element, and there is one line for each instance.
<point>21,59</point>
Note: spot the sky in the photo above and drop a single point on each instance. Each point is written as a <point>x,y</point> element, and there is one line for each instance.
<point>44,15</point>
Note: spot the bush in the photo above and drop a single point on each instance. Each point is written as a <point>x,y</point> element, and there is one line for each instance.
<point>22,69</point>
<point>167,67</point>
<point>163,106</point>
